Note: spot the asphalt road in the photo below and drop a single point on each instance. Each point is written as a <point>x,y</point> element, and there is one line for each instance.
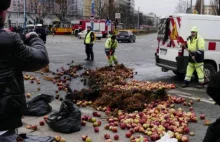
<point>139,56</point>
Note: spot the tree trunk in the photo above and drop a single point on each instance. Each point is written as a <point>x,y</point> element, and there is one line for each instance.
<point>218,7</point>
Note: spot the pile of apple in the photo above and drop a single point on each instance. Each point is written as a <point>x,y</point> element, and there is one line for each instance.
<point>140,85</point>
<point>32,78</point>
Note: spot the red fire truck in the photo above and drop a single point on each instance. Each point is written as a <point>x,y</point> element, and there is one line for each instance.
<point>81,25</point>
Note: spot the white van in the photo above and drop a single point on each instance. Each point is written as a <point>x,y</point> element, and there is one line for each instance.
<point>174,30</point>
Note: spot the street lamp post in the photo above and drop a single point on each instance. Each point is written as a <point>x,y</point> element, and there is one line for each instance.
<point>92,13</point>
<point>25,16</point>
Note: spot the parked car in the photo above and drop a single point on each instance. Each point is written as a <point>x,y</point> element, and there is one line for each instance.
<point>126,36</point>
<point>97,33</point>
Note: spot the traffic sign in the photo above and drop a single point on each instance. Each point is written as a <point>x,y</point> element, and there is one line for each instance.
<point>92,17</point>
<point>117,15</point>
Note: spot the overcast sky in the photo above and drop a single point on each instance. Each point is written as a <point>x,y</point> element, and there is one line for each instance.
<point>159,7</point>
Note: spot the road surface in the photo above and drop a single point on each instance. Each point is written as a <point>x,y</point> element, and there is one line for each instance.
<point>140,56</point>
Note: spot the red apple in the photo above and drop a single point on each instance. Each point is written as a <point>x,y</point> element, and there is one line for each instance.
<point>114,129</point>
<point>128,134</point>
<point>202,116</point>
<point>41,123</point>
<point>34,127</point>
<point>84,137</point>
<point>83,123</point>
<point>186,130</point>
<point>106,127</point>
<point>123,126</point>
<point>116,137</point>
<point>107,136</point>
<point>96,129</point>
<point>185,138</point>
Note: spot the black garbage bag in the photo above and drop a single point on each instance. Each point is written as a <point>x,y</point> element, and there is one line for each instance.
<point>32,138</point>
<point>67,120</point>
<point>213,89</point>
<point>39,106</point>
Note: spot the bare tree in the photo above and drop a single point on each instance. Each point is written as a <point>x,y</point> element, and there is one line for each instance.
<point>215,6</point>
<point>181,6</point>
<point>61,9</point>
<point>36,10</point>
<point>198,6</point>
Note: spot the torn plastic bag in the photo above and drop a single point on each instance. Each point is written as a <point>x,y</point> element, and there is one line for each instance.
<point>39,106</point>
<point>32,138</point>
<point>67,120</point>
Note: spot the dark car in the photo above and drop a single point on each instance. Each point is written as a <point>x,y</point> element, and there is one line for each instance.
<point>125,36</point>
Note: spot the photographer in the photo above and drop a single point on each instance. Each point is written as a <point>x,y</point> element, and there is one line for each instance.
<point>16,57</point>
<point>213,90</point>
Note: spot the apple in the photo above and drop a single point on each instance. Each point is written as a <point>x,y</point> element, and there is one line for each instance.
<point>128,134</point>
<point>108,140</point>
<point>185,138</point>
<point>93,119</point>
<point>95,124</point>
<point>28,95</point>
<point>99,123</point>
<point>123,126</point>
<point>202,116</point>
<point>114,129</point>
<point>41,123</point>
<point>192,134</point>
<point>84,137</point>
<point>107,136</point>
<point>106,127</point>
<point>88,139</point>
<point>186,130</point>
<point>96,129</point>
<point>62,140</point>
<point>57,138</point>
<point>34,127</point>
<point>94,113</point>
<point>28,127</point>
<point>191,108</point>
<point>116,137</point>
<point>45,117</point>
<point>83,123</point>
<point>198,99</point>
<point>207,122</point>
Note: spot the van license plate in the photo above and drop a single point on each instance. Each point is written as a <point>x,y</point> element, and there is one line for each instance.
<point>163,51</point>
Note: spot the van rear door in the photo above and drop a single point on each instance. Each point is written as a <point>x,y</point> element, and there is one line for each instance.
<point>168,47</point>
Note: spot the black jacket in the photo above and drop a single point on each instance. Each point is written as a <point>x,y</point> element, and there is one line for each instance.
<point>16,57</point>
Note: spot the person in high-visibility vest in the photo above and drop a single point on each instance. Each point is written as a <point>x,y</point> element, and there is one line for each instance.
<point>110,45</point>
<point>89,41</point>
<point>196,47</point>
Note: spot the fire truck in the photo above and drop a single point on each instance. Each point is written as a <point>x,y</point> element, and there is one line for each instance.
<point>99,25</point>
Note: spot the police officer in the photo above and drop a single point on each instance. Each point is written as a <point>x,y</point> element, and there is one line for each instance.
<point>89,40</point>
<point>110,46</point>
<point>196,47</point>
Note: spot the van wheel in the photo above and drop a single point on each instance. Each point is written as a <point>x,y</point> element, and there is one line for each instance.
<point>209,70</point>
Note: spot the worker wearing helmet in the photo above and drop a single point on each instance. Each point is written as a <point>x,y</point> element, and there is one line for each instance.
<point>196,47</point>
<point>110,45</point>
<point>89,41</point>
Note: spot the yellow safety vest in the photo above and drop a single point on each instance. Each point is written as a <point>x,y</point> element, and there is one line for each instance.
<point>88,38</point>
<point>196,44</point>
<point>109,44</point>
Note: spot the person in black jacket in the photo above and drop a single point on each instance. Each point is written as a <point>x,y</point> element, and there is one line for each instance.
<point>16,57</point>
<point>89,41</point>
<point>213,90</point>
